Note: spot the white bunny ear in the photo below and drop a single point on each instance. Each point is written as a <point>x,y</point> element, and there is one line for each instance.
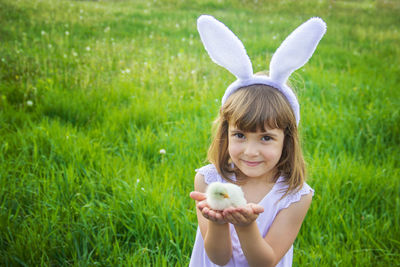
<point>296,50</point>
<point>224,47</point>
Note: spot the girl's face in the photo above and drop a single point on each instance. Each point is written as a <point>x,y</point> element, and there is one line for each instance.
<point>255,153</point>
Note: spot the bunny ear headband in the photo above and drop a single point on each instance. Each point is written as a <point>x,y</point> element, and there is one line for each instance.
<point>227,50</point>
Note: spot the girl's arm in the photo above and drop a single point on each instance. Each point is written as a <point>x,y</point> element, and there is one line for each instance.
<point>215,231</point>
<point>268,251</point>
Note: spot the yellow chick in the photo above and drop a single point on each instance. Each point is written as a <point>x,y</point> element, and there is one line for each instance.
<point>224,195</point>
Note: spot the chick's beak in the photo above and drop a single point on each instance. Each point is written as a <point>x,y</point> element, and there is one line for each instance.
<point>225,195</point>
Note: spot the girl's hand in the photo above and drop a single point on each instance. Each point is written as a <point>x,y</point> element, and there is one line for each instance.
<point>208,213</point>
<point>242,216</point>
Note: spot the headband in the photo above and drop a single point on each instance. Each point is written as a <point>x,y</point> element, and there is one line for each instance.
<point>226,50</point>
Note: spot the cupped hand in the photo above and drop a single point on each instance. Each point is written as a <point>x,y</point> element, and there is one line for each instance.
<point>208,213</point>
<point>242,216</point>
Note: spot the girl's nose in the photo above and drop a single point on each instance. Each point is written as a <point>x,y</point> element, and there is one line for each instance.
<point>251,150</point>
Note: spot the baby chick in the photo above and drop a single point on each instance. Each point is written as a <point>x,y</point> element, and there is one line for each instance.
<point>224,195</point>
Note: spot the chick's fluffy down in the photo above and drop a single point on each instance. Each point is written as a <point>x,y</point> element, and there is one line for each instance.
<point>224,195</point>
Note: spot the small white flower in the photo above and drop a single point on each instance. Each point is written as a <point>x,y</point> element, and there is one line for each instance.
<point>128,71</point>
<point>67,33</point>
<point>143,189</point>
<point>65,55</point>
<point>137,181</point>
<point>43,32</point>
<point>274,37</point>
<point>162,151</point>
<point>123,71</point>
<point>193,71</point>
<point>87,48</point>
<point>74,54</point>
<point>29,103</point>
<point>107,29</point>
<point>177,25</point>
<point>50,46</point>
<point>81,11</point>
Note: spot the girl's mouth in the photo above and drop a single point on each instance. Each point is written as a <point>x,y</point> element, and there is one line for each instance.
<point>252,163</point>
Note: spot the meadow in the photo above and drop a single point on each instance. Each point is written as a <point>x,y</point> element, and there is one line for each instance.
<point>106,110</point>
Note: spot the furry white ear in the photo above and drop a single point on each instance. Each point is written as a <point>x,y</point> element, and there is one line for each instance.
<point>224,47</point>
<point>296,50</point>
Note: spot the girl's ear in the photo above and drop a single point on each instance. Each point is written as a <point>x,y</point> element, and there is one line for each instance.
<point>296,50</point>
<point>224,47</point>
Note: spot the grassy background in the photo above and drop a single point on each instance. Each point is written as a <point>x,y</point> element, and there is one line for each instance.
<point>90,92</point>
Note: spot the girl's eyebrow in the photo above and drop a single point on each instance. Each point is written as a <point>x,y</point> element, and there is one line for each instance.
<point>268,133</point>
<point>235,130</point>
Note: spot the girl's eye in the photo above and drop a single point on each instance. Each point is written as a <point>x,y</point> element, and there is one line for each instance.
<point>266,138</point>
<point>239,135</point>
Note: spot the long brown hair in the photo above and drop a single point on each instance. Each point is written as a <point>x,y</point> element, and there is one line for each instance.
<point>253,108</point>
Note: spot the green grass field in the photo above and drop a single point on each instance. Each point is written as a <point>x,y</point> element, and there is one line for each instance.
<point>91,91</point>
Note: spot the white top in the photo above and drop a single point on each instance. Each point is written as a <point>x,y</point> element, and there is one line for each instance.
<point>272,205</point>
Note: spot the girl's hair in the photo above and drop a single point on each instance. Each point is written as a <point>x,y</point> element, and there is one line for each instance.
<point>253,108</point>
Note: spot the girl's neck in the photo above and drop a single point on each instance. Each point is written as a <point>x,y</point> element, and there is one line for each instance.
<point>267,179</point>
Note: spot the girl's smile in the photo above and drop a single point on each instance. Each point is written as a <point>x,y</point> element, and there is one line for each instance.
<point>256,154</point>
<point>252,163</point>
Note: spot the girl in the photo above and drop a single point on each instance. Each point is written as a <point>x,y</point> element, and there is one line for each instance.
<point>255,146</point>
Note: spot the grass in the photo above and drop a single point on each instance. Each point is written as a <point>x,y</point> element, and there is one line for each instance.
<point>90,92</point>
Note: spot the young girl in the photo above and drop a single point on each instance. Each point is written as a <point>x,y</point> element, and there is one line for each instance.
<point>255,146</point>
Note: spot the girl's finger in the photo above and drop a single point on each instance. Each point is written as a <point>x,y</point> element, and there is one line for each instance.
<point>230,218</point>
<point>257,209</point>
<point>198,196</point>
<point>238,217</point>
<point>202,204</point>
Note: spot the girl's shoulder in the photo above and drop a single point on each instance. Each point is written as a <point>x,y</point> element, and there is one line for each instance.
<point>210,174</point>
<point>293,196</point>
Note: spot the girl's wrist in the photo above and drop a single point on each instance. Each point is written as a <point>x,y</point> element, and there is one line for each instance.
<point>218,223</point>
<point>245,228</point>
